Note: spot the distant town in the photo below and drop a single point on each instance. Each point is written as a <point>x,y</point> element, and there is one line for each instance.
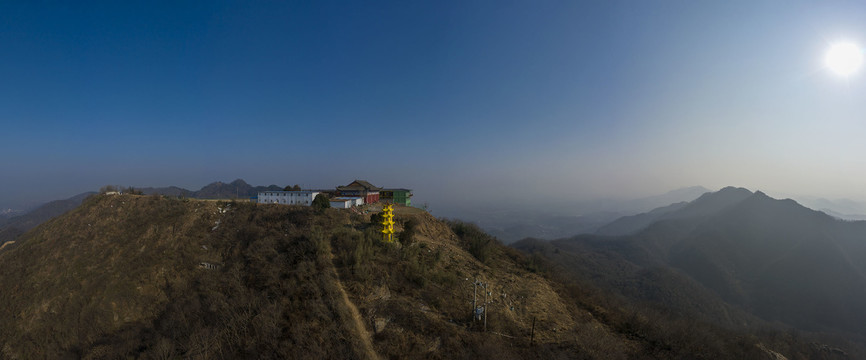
<point>356,193</point>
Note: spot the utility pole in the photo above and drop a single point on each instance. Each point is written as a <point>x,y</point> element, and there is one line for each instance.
<point>485,307</point>
<point>532,332</point>
<point>474,298</point>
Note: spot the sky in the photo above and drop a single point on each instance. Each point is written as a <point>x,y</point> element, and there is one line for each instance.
<point>462,101</point>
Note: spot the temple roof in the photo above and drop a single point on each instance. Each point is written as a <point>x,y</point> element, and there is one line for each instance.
<point>359,185</point>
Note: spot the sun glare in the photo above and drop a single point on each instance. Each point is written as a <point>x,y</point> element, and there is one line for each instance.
<point>844,58</point>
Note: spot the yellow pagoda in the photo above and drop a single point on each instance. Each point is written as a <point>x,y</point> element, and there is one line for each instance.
<point>388,223</point>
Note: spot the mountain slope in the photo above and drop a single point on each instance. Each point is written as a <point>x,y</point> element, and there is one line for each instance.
<point>122,276</point>
<point>558,218</point>
<point>738,259</point>
<point>158,277</point>
<point>628,225</point>
<point>649,203</point>
<point>15,226</point>
<point>787,262</point>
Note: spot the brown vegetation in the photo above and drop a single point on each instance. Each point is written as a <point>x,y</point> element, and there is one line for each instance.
<point>155,277</point>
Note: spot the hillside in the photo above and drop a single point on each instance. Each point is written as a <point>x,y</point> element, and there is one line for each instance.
<point>158,277</point>
<point>628,225</point>
<point>735,258</point>
<point>120,275</point>
<point>11,228</point>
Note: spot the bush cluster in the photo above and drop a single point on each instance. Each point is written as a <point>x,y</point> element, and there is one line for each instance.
<point>476,241</point>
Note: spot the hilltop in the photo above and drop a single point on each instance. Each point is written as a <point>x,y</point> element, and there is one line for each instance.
<point>15,223</point>
<point>126,275</point>
<point>159,277</point>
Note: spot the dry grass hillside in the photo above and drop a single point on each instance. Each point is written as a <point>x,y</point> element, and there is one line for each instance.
<point>159,278</point>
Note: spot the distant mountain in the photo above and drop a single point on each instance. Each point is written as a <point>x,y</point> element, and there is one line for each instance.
<point>707,203</point>
<point>738,258</point>
<point>842,208</point>
<point>234,189</point>
<point>627,225</point>
<point>564,219</point>
<point>671,197</point>
<point>841,216</point>
<point>15,226</point>
<point>168,191</point>
<point>711,203</point>
<point>215,190</point>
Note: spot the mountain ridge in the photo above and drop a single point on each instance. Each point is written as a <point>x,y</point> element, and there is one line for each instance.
<point>14,226</point>
<point>744,250</point>
<point>162,277</point>
<point>130,266</point>
<point>215,190</point>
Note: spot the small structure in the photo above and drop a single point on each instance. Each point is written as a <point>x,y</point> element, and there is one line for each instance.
<point>362,189</point>
<point>208,266</point>
<point>396,196</point>
<point>301,197</point>
<point>346,202</point>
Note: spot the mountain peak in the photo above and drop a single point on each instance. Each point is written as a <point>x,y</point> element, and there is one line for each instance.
<point>761,205</point>
<point>733,190</point>
<point>239,182</point>
<point>713,202</point>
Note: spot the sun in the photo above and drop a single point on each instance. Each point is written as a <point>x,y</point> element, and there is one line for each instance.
<point>844,58</point>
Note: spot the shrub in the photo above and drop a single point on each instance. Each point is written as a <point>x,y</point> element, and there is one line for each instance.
<point>321,202</point>
<point>407,236</point>
<point>475,240</point>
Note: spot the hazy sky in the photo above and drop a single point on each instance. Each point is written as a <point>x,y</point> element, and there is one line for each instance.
<point>468,100</point>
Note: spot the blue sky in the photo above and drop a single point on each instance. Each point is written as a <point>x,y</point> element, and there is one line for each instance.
<point>473,101</point>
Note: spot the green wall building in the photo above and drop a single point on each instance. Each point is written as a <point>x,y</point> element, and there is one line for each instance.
<point>396,196</point>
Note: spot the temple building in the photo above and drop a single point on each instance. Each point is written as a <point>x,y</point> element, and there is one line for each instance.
<point>362,189</point>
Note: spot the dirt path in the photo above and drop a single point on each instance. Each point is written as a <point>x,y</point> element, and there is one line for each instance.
<point>6,243</point>
<point>366,351</point>
<point>363,334</point>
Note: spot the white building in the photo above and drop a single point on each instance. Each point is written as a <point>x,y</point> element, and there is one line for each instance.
<point>346,202</point>
<point>302,197</point>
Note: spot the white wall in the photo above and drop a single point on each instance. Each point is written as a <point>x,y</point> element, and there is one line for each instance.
<point>350,202</point>
<point>341,204</point>
<point>303,197</point>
